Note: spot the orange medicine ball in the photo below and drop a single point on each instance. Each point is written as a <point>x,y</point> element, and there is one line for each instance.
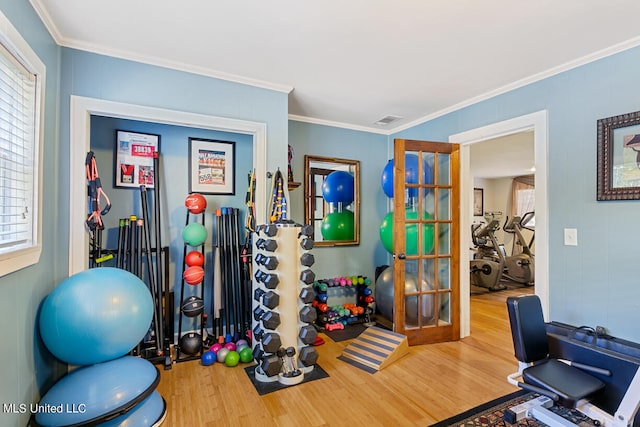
<point>193,275</point>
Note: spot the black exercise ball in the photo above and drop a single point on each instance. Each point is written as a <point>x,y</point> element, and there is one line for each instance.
<point>192,306</point>
<point>191,343</point>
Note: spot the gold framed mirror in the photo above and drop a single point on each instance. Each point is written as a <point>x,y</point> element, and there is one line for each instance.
<point>332,200</point>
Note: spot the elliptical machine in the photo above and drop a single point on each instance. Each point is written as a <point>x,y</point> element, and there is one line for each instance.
<point>519,268</point>
<point>487,265</point>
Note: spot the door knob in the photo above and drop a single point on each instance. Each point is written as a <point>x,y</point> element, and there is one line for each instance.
<point>402,256</point>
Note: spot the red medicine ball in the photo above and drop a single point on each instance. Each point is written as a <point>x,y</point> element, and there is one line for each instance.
<point>196,203</point>
<point>193,275</point>
<point>194,258</point>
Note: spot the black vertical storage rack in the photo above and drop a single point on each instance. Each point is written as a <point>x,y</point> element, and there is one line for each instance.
<point>192,335</point>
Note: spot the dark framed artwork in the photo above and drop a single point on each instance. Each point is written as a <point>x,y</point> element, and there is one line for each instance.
<point>478,201</point>
<point>212,166</point>
<point>134,158</point>
<point>618,169</point>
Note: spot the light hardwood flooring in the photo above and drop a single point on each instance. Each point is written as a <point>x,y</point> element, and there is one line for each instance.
<point>431,383</point>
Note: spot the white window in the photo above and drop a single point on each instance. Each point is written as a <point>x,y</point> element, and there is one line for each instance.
<point>22,76</point>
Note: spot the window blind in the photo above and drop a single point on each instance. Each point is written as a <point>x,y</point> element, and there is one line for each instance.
<point>17,146</point>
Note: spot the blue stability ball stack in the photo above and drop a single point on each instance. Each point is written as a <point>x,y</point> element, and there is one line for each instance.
<point>338,190</point>
<point>94,319</point>
<point>411,172</point>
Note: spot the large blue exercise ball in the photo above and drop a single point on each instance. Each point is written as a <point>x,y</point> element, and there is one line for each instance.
<point>96,315</point>
<point>411,171</point>
<point>98,392</point>
<point>338,187</point>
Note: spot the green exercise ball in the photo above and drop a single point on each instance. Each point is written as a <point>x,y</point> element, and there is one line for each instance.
<point>338,226</point>
<point>194,234</point>
<point>411,233</point>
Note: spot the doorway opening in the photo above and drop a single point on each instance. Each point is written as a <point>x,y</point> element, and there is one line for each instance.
<point>80,136</point>
<point>536,123</point>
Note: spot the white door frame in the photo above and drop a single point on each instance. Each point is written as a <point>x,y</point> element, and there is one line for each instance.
<point>537,122</point>
<point>83,108</point>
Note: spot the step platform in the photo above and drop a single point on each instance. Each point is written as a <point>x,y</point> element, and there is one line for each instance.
<point>375,349</point>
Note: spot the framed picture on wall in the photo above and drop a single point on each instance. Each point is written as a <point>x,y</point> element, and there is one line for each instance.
<point>619,157</point>
<point>212,166</point>
<point>134,159</point>
<point>478,201</point>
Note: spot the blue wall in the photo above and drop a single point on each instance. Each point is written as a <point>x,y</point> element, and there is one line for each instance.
<point>107,78</point>
<point>371,150</point>
<point>595,283</point>
<point>174,155</point>
<point>26,366</point>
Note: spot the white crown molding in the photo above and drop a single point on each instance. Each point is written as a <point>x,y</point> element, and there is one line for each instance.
<point>150,60</point>
<point>323,122</point>
<point>612,50</point>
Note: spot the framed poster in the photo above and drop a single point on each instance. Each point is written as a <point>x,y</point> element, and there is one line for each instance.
<point>618,168</point>
<point>212,166</point>
<point>478,202</point>
<point>135,152</point>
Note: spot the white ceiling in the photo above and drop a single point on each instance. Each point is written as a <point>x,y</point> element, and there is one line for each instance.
<point>507,156</point>
<point>349,63</point>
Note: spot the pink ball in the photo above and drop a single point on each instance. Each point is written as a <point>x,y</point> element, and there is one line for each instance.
<point>231,346</point>
<point>214,348</point>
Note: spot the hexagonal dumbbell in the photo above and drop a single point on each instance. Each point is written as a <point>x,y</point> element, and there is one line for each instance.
<point>308,356</point>
<point>307,276</point>
<point>268,245</point>
<point>308,334</point>
<point>308,314</point>
<point>270,280</point>
<point>269,230</point>
<point>271,320</point>
<point>258,353</point>
<point>270,300</point>
<point>271,365</point>
<point>257,294</point>
<point>258,333</point>
<point>306,243</point>
<point>307,295</point>
<point>306,230</point>
<point>307,259</point>
<point>269,262</point>
<point>271,342</point>
<point>258,312</point>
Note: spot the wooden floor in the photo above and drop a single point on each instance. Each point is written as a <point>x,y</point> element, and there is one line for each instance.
<point>431,383</point>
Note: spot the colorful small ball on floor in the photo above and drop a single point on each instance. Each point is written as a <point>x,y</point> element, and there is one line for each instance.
<point>246,355</point>
<point>215,348</point>
<point>232,359</point>
<point>231,346</point>
<point>194,234</point>
<point>208,358</point>
<point>222,354</point>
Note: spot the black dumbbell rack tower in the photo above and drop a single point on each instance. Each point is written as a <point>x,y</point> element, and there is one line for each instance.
<point>281,307</point>
<point>181,356</point>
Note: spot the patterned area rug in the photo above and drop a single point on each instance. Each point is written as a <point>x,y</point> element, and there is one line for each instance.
<point>491,414</point>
